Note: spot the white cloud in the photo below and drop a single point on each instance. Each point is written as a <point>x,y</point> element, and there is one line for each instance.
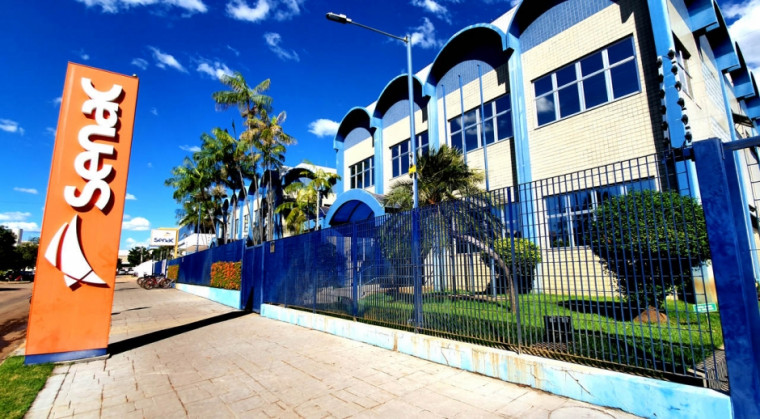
<point>132,243</point>
<point>234,51</point>
<point>57,101</point>
<point>26,226</point>
<point>154,111</point>
<point>424,35</point>
<point>214,69</point>
<point>16,219</point>
<point>262,9</point>
<point>114,6</point>
<point>239,9</point>
<point>273,41</point>
<point>433,7</point>
<point>192,149</point>
<point>164,60</point>
<point>51,131</point>
<point>14,216</point>
<point>84,56</point>
<point>11,126</point>
<point>26,190</point>
<point>323,127</point>
<point>139,62</point>
<point>745,30</point>
<point>136,224</point>
<point>129,197</point>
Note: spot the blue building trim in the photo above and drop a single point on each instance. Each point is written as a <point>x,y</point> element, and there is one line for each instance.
<point>726,57</point>
<point>538,21</point>
<point>451,53</point>
<point>359,195</point>
<point>741,78</point>
<point>393,93</point>
<point>702,15</point>
<point>64,356</point>
<point>357,117</point>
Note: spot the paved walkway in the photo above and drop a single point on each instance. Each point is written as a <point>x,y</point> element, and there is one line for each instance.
<point>177,355</point>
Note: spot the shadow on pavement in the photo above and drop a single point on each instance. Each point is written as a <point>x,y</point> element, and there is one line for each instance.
<point>138,341</point>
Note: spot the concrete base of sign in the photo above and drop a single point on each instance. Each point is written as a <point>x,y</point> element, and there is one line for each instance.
<point>73,356</point>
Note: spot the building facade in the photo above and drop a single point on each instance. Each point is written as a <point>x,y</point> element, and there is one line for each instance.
<point>553,87</point>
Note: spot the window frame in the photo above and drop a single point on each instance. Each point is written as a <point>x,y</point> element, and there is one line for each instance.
<point>364,168</point>
<point>478,124</point>
<point>423,146</point>
<point>582,79</point>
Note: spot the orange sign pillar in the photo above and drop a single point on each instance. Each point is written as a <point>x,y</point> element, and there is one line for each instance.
<point>70,315</point>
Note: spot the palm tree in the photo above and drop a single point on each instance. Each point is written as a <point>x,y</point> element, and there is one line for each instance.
<point>442,176</point>
<point>302,199</point>
<point>192,188</point>
<point>248,100</point>
<point>265,134</point>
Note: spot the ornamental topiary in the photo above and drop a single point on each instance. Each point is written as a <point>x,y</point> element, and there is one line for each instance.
<point>522,269</point>
<point>226,275</point>
<point>650,240</point>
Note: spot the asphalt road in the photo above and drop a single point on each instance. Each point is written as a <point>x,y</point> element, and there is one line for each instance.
<point>14,313</point>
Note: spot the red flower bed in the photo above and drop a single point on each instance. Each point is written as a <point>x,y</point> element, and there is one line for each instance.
<point>226,275</point>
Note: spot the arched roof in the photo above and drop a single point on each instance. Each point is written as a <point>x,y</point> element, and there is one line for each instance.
<point>476,41</point>
<point>352,206</point>
<point>357,117</point>
<point>527,12</point>
<point>395,91</point>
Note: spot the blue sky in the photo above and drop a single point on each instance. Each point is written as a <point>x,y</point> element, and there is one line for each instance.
<point>178,48</point>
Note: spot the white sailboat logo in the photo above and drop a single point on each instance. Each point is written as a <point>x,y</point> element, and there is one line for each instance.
<point>65,253</point>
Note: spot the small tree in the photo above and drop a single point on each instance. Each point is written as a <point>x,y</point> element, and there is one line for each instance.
<point>651,240</point>
<point>526,256</point>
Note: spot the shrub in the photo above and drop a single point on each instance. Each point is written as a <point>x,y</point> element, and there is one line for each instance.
<point>527,256</point>
<point>173,272</point>
<point>651,240</point>
<point>226,275</point>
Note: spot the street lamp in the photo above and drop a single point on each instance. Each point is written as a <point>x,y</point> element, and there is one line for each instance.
<point>413,135</point>
<point>343,19</point>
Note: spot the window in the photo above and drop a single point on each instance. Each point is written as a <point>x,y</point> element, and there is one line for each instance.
<point>362,174</point>
<point>401,155</point>
<point>497,121</point>
<point>568,215</point>
<point>682,58</point>
<point>601,77</point>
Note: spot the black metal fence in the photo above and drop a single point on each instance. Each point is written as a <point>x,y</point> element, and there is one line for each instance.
<point>608,266</point>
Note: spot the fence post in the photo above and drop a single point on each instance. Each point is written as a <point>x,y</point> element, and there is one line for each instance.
<point>734,279</point>
<point>355,276</point>
<point>416,268</point>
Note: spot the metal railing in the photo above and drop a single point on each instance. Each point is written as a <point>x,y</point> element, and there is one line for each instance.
<point>605,266</point>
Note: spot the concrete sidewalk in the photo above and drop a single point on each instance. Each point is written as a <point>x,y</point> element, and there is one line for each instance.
<point>177,355</point>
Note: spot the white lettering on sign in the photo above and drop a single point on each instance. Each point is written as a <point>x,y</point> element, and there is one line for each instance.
<point>87,163</point>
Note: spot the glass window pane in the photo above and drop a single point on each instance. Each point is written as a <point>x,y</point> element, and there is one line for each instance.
<point>404,163</point>
<point>555,205</point>
<point>620,51</point>
<point>396,163</point>
<point>487,110</point>
<point>543,85</point>
<point>545,108</point>
<point>625,79</point>
<point>422,140</point>
<point>470,118</point>
<point>559,232</point>
<point>595,90</point>
<point>592,64</point>
<point>394,151</point>
<point>503,104</point>
<point>566,75</point>
<point>582,229</point>
<point>454,124</point>
<point>580,201</point>
<point>404,147</point>
<point>359,181</point>
<point>353,170</point>
<point>471,138</point>
<point>489,131</point>
<point>456,141</point>
<point>504,125</point>
<point>569,101</point>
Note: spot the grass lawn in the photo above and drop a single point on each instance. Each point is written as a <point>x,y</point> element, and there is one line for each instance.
<point>602,328</point>
<point>20,385</point>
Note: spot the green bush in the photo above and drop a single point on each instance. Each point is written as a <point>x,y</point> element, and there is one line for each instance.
<point>650,240</point>
<point>527,256</point>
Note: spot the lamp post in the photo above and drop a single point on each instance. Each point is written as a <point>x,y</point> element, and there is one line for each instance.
<point>343,19</point>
